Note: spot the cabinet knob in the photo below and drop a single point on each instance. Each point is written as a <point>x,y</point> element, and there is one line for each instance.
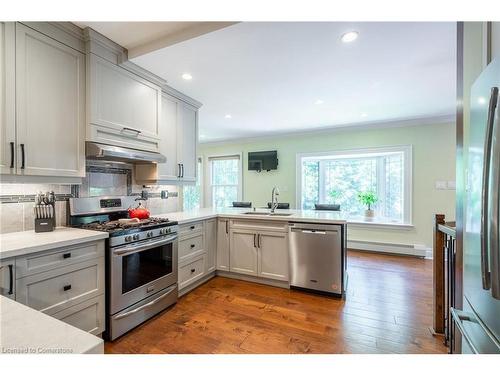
<point>67,287</point>
<point>192,245</point>
<point>67,255</point>
<point>192,227</point>
<point>193,270</point>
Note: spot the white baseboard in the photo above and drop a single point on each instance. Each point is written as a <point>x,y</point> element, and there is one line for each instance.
<point>391,248</point>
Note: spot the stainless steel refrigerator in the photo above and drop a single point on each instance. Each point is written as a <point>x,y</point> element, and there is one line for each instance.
<point>479,321</point>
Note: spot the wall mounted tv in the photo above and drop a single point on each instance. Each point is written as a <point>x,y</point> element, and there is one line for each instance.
<point>262,161</point>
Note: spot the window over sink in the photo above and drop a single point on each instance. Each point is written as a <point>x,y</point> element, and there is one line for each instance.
<point>338,176</point>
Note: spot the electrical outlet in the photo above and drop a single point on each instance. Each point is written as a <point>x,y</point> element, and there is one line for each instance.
<point>173,194</point>
<point>441,185</point>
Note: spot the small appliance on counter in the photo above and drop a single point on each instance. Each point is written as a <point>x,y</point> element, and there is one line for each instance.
<point>45,212</point>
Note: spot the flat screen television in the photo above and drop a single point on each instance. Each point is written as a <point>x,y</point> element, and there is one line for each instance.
<point>262,161</point>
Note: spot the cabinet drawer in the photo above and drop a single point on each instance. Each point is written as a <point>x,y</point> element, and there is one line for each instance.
<point>88,315</point>
<point>187,229</point>
<point>58,289</point>
<point>60,257</point>
<point>260,225</point>
<point>191,272</point>
<point>190,247</point>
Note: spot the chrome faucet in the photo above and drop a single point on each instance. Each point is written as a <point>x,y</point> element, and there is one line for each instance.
<point>274,198</point>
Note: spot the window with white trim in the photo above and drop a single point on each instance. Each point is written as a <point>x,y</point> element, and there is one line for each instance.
<point>337,177</point>
<point>191,194</point>
<point>224,180</point>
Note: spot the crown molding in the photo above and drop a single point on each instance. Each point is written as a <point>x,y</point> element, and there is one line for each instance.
<point>408,122</point>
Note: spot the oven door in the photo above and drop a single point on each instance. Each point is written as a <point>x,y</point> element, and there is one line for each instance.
<point>141,269</point>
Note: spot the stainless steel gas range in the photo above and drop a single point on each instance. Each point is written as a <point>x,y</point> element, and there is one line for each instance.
<point>141,260</point>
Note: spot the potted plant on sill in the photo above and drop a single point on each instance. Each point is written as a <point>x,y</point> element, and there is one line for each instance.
<point>368,198</point>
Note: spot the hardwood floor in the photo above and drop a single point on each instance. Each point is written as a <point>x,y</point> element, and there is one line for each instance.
<point>387,310</point>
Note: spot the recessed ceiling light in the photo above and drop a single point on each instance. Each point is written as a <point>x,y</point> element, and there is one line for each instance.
<point>187,76</point>
<point>319,101</point>
<point>364,115</point>
<point>228,116</point>
<point>349,37</point>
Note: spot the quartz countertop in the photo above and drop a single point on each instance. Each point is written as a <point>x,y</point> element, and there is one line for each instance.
<point>27,242</point>
<point>306,216</point>
<point>25,330</point>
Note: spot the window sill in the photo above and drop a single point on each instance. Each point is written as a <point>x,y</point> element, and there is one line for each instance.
<point>361,222</point>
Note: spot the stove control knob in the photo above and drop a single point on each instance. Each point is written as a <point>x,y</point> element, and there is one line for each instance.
<point>135,237</point>
<point>128,238</point>
<point>149,234</point>
<point>163,231</point>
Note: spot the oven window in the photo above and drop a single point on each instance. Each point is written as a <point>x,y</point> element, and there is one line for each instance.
<point>143,267</point>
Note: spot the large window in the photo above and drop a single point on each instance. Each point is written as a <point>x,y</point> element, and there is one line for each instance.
<point>224,180</point>
<point>338,177</point>
<point>191,194</point>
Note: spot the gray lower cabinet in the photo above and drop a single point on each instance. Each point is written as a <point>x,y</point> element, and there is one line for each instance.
<point>8,278</point>
<point>273,255</point>
<point>211,244</point>
<point>66,283</point>
<point>222,256</point>
<point>243,251</point>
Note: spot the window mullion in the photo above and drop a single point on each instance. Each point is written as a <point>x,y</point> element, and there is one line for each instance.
<point>321,182</point>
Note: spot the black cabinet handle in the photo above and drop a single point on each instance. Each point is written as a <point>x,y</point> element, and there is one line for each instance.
<point>192,227</point>
<point>12,154</point>
<point>227,226</point>
<point>22,156</point>
<point>192,245</point>
<point>11,279</point>
<point>182,170</point>
<point>67,287</point>
<point>179,170</point>
<point>67,255</point>
<point>192,270</point>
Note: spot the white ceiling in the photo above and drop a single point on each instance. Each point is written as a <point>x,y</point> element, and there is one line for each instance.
<point>269,76</point>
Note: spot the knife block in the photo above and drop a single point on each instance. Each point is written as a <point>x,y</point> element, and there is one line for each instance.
<point>46,224</point>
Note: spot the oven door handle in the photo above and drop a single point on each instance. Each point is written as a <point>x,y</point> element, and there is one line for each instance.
<point>143,246</point>
<point>149,304</point>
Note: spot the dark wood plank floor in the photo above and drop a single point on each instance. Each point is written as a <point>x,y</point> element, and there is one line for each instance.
<point>387,310</point>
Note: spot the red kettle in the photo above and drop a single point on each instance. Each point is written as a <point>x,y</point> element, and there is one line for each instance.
<point>140,212</point>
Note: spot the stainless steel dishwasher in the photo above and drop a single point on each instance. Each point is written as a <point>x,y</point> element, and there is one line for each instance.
<point>317,257</point>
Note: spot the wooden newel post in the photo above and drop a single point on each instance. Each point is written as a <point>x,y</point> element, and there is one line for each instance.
<point>438,273</point>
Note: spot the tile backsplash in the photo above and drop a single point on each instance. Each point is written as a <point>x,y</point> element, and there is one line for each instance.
<point>16,200</point>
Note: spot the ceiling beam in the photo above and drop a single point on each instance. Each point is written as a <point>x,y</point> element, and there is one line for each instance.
<point>194,30</point>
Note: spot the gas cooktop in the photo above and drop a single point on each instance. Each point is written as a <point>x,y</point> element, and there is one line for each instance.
<point>118,227</point>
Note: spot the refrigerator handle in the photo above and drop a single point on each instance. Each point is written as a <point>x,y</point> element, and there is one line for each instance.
<point>458,317</point>
<point>485,271</point>
<point>493,204</point>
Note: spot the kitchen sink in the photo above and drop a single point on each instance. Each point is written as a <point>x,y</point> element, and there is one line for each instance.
<point>266,213</point>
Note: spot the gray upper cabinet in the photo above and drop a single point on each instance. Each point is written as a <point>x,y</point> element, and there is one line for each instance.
<point>7,98</point>
<point>50,106</point>
<point>125,109</point>
<point>42,100</point>
<point>178,142</point>
<point>187,141</point>
<point>169,171</point>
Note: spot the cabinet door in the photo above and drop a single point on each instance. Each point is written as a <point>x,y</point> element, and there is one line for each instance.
<point>273,255</point>
<point>211,243</point>
<point>7,98</point>
<point>223,244</point>
<point>243,252</point>
<point>188,140</point>
<point>168,139</point>
<point>50,106</point>
<point>125,109</point>
<point>8,278</point>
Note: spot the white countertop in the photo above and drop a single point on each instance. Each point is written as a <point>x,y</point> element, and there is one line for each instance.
<point>22,243</point>
<point>25,330</point>
<point>307,216</point>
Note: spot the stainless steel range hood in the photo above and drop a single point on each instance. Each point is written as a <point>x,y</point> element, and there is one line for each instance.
<point>99,151</point>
